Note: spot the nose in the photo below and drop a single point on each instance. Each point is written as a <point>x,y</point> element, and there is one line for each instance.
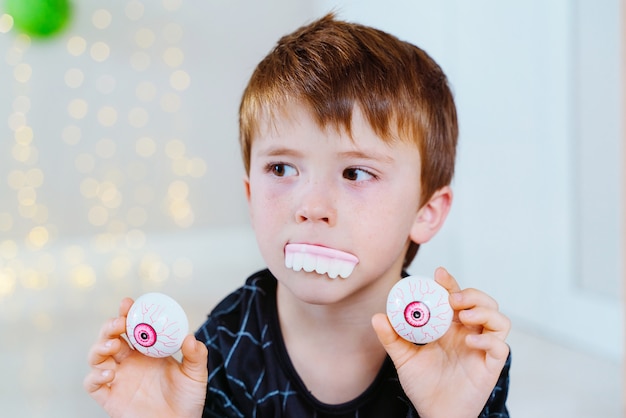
<point>317,205</point>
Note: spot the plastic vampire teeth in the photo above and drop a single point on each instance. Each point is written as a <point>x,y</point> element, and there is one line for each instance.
<point>419,310</point>
<point>156,325</point>
<point>322,260</point>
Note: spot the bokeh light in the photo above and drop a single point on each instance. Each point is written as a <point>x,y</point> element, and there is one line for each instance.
<point>173,57</point>
<point>145,147</point>
<point>38,236</point>
<point>144,38</point>
<point>100,51</point>
<point>74,78</point>
<point>134,10</point>
<point>180,80</point>
<point>22,72</point>
<point>77,108</point>
<point>107,116</point>
<point>6,23</point>
<point>101,18</point>
<point>24,135</point>
<point>172,5</point>
<point>76,45</point>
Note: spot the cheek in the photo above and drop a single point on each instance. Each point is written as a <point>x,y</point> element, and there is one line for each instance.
<point>266,206</point>
<point>389,220</point>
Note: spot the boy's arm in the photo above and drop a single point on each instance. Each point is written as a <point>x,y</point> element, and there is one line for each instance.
<point>125,383</point>
<point>455,375</point>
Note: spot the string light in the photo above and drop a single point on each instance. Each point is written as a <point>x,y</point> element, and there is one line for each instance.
<point>113,171</point>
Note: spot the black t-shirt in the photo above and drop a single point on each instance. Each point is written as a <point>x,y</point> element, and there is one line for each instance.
<point>251,375</point>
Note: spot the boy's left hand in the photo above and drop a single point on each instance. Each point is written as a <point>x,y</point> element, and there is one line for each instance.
<point>453,376</point>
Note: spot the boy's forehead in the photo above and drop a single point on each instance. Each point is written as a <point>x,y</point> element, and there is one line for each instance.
<point>297,116</point>
<point>296,133</point>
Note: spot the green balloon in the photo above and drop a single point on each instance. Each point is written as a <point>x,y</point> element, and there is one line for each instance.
<point>39,18</point>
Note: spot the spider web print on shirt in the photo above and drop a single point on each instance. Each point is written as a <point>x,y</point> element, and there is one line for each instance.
<point>251,375</point>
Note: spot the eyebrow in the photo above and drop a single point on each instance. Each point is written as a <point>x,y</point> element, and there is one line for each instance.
<point>361,155</point>
<point>279,151</point>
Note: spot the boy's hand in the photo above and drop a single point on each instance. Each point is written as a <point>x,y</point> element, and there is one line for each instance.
<point>128,384</point>
<point>453,376</point>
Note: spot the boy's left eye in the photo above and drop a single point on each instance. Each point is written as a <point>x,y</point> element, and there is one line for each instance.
<point>357,174</point>
<point>281,169</point>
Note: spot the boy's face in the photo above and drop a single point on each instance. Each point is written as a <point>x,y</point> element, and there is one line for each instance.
<point>315,186</point>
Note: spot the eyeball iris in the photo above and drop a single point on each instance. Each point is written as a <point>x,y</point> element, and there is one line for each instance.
<point>145,335</point>
<point>417,314</point>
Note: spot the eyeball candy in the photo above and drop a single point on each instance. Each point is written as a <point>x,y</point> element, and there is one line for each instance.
<point>419,310</point>
<point>156,325</point>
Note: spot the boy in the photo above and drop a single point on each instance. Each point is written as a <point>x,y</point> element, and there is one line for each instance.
<point>348,137</point>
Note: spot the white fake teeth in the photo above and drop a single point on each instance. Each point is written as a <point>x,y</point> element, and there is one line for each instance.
<point>322,260</point>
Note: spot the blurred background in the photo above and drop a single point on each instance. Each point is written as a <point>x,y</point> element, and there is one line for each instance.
<point>120,174</point>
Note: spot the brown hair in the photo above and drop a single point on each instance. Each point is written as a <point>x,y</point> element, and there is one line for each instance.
<point>330,66</point>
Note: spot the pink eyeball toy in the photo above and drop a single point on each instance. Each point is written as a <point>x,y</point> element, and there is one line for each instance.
<point>156,325</point>
<point>419,310</point>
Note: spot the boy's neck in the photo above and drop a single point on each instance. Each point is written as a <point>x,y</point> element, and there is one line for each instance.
<point>333,348</point>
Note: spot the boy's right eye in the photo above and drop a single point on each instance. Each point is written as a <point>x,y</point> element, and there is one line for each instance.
<point>281,169</point>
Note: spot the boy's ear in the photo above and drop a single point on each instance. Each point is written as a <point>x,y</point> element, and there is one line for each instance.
<point>246,186</point>
<point>431,216</point>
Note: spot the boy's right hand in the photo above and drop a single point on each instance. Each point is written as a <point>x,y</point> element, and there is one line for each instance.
<point>128,384</point>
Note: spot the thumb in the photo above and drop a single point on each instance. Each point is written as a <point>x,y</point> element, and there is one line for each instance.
<point>195,356</point>
<point>399,349</point>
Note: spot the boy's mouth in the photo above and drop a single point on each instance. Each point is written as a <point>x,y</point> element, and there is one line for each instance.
<point>322,260</point>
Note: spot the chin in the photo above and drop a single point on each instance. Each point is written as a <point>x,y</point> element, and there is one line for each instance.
<point>317,289</point>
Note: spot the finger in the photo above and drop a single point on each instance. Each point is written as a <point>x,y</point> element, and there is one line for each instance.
<point>111,343</point>
<point>490,320</point>
<point>470,298</point>
<point>446,280</point>
<point>125,305</point>
<point>98,380</point>
<point>105,351</point>
<point>496,350</point>
<point>194,362</point>
<point>398,348</point>
<point>113,328</point>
